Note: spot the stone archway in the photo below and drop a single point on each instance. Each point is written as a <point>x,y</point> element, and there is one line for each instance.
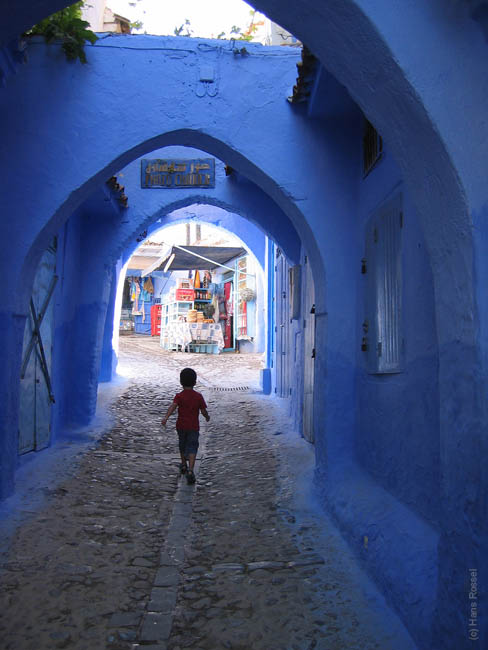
<point>390,81</point>
<point>219,220</point>
<point>247,202</point>
<point>358,45</point>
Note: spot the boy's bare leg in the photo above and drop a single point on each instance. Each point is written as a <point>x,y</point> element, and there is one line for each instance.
<point>191,461</point>
<point>183,458</point>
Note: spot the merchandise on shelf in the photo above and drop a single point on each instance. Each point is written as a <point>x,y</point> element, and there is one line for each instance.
<point>202,295</point>
<point>156,320</point>
<point>185,283</point>
<point>189,305</point>
<point>185,294</point>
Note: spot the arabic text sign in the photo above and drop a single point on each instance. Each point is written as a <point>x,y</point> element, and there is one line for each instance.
<point>172,174</point>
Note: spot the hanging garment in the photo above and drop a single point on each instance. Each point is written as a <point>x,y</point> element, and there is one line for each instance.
<point>215,304</point>
<point>144,294</point>
<point>196,283</point>
<point>136,299</point>
<point>222,307</point>
<point>229,298</point>
<point>148,285</point>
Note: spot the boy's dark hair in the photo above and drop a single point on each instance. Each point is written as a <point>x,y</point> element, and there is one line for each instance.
<point>188,377</point>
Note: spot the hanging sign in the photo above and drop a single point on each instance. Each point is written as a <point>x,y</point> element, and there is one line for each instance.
<point>172,174</point>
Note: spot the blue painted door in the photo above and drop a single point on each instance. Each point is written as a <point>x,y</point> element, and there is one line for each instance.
<point>309,352</point>
<point>282,303</point>
<point>35,399</point>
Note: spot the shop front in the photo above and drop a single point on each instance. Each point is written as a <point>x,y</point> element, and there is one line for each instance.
<point>207,305</point>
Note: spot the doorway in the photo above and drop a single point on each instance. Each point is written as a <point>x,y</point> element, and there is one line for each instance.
<point>282,325</point>
<point>309,353</point>
<point>229,318</point>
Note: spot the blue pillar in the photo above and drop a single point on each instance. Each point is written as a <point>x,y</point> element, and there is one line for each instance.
<point>109,359</point>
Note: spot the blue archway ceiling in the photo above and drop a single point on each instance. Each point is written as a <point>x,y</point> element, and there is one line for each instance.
<point>226,220</point>
<point>345,35</point>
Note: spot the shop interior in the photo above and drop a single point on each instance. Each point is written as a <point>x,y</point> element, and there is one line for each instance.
<point>199,299</point>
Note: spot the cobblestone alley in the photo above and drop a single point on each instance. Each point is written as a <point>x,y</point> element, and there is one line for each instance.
<point>106,547</point>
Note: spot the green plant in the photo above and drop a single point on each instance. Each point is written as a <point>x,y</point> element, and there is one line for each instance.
<point>68,27</point>
<point>236,33</point>
<point>178,31</point>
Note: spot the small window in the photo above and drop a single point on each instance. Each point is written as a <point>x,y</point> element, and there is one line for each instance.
<point>382,327</point>
<point>372,147</point>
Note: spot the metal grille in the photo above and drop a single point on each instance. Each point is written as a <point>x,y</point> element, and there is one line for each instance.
<point>231,388</point>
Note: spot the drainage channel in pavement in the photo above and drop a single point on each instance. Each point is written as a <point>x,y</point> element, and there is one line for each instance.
<point>157,620</point>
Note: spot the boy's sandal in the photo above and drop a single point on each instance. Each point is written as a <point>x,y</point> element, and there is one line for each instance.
<point>183,468</point>
<point>190,478</point>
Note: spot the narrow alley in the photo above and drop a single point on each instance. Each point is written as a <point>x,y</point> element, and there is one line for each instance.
<point>121,553</point>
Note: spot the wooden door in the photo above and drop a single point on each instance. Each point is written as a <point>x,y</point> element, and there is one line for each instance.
<point>35,390</point>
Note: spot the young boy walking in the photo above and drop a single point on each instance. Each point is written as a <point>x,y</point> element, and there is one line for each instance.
<point>189,404</point>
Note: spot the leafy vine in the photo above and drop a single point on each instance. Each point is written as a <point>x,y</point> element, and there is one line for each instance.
<point>68,27</point>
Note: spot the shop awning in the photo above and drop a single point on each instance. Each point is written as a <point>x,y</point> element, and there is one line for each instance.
<point>191,257</point>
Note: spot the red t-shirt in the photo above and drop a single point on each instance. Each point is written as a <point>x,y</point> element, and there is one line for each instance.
<point>189,403</point>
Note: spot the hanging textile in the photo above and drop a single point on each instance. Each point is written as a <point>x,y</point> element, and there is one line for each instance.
<point>143,312</point>
<point>148,285</point>
<point>196,282</point>
<point>136,300</point>
<point>215,304</point>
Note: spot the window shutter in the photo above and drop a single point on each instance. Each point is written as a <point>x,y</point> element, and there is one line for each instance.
<point>384,292</point>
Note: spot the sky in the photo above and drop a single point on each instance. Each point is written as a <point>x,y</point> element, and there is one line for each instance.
<point>208,18</point>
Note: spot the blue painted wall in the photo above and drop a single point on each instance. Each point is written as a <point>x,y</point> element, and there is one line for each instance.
<point>108,361</point>
<point>398,427</point>
<point>85,291</point>
<point>384,490</point>
<point>429,103</point>
<point>212,206</point>
<point>378,455</point>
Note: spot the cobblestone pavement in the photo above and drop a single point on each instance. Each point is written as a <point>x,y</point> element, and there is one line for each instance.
<point>122,554</point>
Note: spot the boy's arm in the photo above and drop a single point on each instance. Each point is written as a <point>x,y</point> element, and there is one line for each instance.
<point>170,412</point>
<point>205,413</point>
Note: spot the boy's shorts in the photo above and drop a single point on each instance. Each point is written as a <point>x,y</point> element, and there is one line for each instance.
<point>188,441</point>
